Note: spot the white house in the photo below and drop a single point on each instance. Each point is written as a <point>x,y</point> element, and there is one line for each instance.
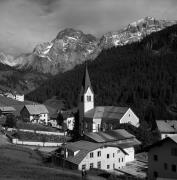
<point>119,137</point>
<point>87,155</point>
<point>100,118</point>
<point>162,159</point>
<point>36,113</point>
<point>15,95</point>
<point>167,128</point>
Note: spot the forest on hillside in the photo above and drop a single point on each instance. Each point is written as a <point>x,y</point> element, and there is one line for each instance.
<point>140,75</point>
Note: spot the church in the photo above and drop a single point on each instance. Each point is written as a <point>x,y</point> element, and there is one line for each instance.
<point>100,118</point>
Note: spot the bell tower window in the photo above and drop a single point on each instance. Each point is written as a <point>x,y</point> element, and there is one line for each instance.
<point>89,98</point>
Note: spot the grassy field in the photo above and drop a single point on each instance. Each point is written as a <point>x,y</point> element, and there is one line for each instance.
<point>17,163</point>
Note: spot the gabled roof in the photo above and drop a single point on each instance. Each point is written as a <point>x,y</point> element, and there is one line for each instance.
<point>84,147</point>
<point>107,112</point>
<point>158,143</point>
<point>7,109</point>
<point>86,82</point>
<point>36,109</point>
<point>167,126</point>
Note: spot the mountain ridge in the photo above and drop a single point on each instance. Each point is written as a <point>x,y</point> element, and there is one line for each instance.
<point>72,47</point>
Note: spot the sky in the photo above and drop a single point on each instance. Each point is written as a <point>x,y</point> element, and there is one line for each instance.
<point>26,23</point>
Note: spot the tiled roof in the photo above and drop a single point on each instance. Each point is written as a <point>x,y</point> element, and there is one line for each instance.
<point>37,109</point>
<point>120,134</point>
<point>84,148</point>
<point>7,108</point>
<point>107,112</point>
<point>114,135</point>
<point>167,126</point>
<point>130,143</point>
<point>172,138</point>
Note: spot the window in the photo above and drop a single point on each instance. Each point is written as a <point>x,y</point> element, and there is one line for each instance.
<point>174,151</point>
<point>173,167</point>
<point>99,164</point>
<point>155,158</point>
<point>88,98</point>
<point>83,166</point>
<point>91,154</point>
<point>113,154</point>
<point>107,156</point>
<point>165,166</point>
<point>108,166</point>
<point>122,159</point>
<point>113,166</point>
<point>91,165</point>
<point>99,153</point>
<point>155,174</point>
<point>119,159</point>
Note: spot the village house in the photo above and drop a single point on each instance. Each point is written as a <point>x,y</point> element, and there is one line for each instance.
<point>167,128</point>
<point>87,155</point>
<point>6,110</point>
<point>35,113</point>
<point>15,95</point>
<point>100,118</point>
<point>119,137</point>
<point>68,118</point>
<point>162,159</point>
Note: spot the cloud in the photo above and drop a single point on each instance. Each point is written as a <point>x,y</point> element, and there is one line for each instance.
<point>25,23</point>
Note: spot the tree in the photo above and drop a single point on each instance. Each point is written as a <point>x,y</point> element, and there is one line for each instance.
<point>10,121</point>
<point>60,119</point>
<point>75,132</point>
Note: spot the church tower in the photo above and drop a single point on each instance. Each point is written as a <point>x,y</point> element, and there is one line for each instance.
<point>86,100</point>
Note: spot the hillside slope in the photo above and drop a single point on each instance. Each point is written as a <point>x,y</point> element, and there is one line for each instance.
<point>12,79</point>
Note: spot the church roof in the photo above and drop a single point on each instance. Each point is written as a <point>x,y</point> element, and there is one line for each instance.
<point>107,112</point>
<point>86,81</point>
<point>114,135</point>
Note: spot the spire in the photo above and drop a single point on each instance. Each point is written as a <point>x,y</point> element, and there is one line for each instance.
<point>86,81</point>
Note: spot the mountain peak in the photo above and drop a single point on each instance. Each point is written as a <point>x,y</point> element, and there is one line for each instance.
<point>69,32</point>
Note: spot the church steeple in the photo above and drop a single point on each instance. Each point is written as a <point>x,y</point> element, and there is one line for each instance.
<point>86,83</point>
<point>86,99</point>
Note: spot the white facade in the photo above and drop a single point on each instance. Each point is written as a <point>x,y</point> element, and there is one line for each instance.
<point>19,97</point>
<point>131,118</point>
<point>110,158</point>
<point>70,123</point>
<point>130,154</point>
<point>88,100</point>
<point>162,161</point>
<point>42,118</point>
